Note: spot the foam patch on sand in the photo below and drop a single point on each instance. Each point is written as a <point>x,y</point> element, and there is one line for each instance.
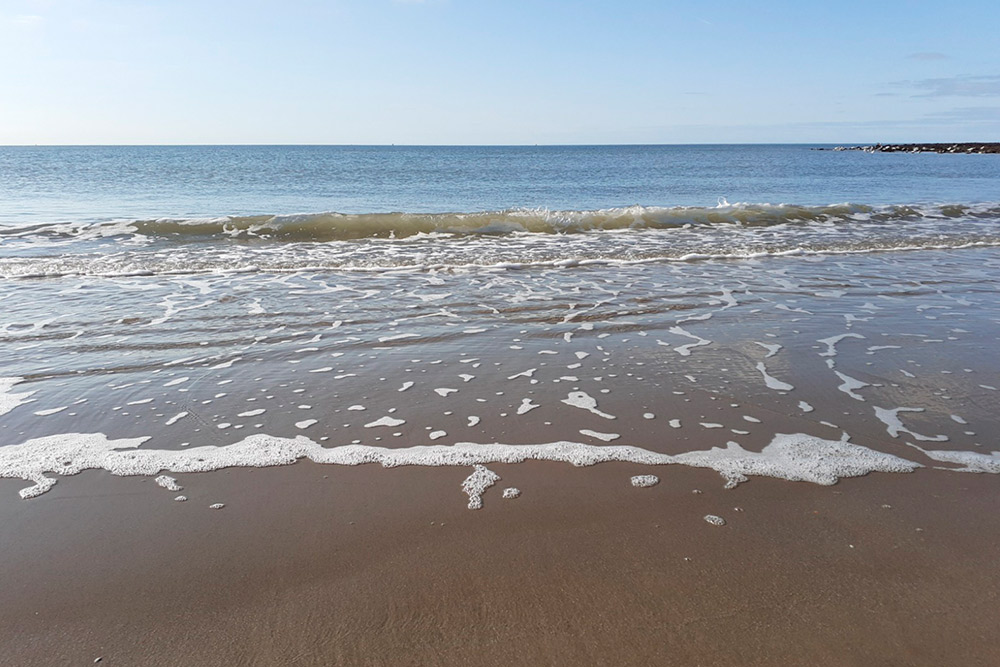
<point>795,457</point>
<point>970,461</point>
<point>831,343</point>
<point>8,399</point>
<point>168,483</point>
<point>584,401</point>
<point>475,485</point>
<point>894,425</point>
<point>771,381</point>
<point>685,350</point>
<point>606,437</point>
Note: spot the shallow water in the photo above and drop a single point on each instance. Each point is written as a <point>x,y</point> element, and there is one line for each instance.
<point>672,327</point>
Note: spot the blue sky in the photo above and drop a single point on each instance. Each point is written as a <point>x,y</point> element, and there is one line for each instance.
<point>496,72</point>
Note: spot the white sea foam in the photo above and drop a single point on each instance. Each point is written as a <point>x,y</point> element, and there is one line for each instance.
<point>606,437</point>
<point>685,350</point>
<point>475,485</point>
<point>894,425</point>
<point>252,413</point>
<point>796,457</point>
<point>849,384</point>
<point>771,381</point>
<point>772,348</point>
<point>582,400</point>
<point>8,399</point>
<point>831,343</point>
<point>511,492</point>
<point>526,406</point>
<point>385,421</point>
<point>805,407</point>
<point>168,483</point>
<point>176,418</point>
<point>386,339</point>
<point>715,520</point>
<point>970,461</point>
<point>645,481</point>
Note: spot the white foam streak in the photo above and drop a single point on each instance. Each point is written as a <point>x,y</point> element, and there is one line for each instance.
<point>970,461</point>
<point>8,399</point>
<point>771,381</point>
<point>894,425</point>
<point>796,457</point>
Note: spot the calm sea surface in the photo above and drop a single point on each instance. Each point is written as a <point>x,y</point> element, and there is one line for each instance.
<point>48,184</point>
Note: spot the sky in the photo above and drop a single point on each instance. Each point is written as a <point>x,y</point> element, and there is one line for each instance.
<point>497,71</point>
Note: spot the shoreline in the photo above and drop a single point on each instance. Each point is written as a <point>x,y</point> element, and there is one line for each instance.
<point>365,564</point>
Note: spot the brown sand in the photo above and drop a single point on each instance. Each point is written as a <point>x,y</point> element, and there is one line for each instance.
<point>322,565</point>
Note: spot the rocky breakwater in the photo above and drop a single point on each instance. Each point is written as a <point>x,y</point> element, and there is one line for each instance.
<point>975,147</point>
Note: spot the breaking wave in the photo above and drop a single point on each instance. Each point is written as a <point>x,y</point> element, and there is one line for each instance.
<point>330,226</point>
<point>509,239</point>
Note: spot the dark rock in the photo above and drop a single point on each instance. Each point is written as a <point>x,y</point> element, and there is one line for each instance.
<point>968,147</point>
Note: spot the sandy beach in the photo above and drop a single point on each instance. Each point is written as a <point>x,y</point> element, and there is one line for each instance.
<point>316,564</point>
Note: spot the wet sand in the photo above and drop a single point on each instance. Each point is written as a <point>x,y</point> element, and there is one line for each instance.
<point>313,564</point>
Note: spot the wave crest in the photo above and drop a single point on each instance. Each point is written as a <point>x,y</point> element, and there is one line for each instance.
<point>331,226</point>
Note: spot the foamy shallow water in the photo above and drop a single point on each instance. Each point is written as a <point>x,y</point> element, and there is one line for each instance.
<point>694,363</point>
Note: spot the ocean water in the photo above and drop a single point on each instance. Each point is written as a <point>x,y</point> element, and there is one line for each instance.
<point>758,310</point>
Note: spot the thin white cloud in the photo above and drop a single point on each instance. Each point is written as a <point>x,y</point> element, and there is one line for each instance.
<point>26,20</point>
<point>955,86</point>
<point>928,55</point>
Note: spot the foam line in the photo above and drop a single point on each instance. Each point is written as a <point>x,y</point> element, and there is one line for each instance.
<point>795,457</point>
<point>970,461</point>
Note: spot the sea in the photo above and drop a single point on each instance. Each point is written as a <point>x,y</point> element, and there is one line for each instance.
<point>781,310</point>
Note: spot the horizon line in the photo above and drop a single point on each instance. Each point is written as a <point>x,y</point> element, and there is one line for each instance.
<point>499,145</point>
